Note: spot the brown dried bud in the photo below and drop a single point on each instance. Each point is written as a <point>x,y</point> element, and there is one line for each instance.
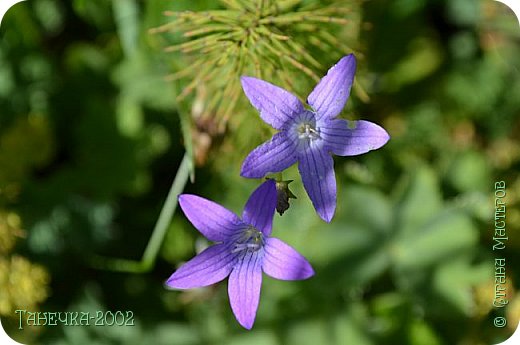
<point>283,195</point>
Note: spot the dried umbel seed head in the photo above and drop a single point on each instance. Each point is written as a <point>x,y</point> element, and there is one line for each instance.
<point>269,39</point>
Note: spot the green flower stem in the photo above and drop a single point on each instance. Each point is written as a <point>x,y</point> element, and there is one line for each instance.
<point>278,177</point>
<point>159,231</point>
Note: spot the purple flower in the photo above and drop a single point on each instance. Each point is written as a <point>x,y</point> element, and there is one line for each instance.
<point>309,136</point>
<point>243,251</point>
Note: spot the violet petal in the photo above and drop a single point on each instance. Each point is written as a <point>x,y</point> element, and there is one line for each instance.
<point>275,155</point>
<point>244,288</point>
<point>209,267</point>
<point>317,171</point>
<point>349,138</point>
<point>276,105</point>
<point>282,261</point>
<point>260,206</point>
<point>330,95</point>
<point>215,222</point>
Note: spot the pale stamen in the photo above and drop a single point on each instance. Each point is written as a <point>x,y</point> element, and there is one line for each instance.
<point>307,131</point>
<point>250,240</point>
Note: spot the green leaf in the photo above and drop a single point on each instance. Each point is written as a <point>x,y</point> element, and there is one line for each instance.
<point>178,243</point>
<point>464,12</point>
<point>390,310</point>
<point>142,78</point>
<point>447,234</point>
<point>350,327</point>
<point>470,171</point>
<point>369,266</point>
<point>422,199</point>
<point>175,333</point>
<point>365,207</point>
<point>455,282</point>
<point>259,337</point>
<point>51,15</point>
<point>96,12</point>
<point>309,332</point>
<point>129,116</point>
<point>127,22</point>
<point>423,59</point>
<point>421,333</point>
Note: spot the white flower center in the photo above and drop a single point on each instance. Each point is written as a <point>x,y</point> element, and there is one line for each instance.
<point>250,240</point>
<point>305,131</point>
<point>308,131</point>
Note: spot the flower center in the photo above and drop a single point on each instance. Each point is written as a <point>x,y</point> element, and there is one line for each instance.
<point>306,130</point>
<point>250,240</point>
<point>305,127</point>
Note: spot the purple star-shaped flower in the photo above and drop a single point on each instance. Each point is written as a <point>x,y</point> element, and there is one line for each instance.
<point>243,251</point>
<point>309,136</point>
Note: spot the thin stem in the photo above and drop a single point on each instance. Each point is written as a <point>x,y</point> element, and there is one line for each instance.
<point>159,231</point>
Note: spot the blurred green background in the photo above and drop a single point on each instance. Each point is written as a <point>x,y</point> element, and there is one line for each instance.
<point>92,132</point>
